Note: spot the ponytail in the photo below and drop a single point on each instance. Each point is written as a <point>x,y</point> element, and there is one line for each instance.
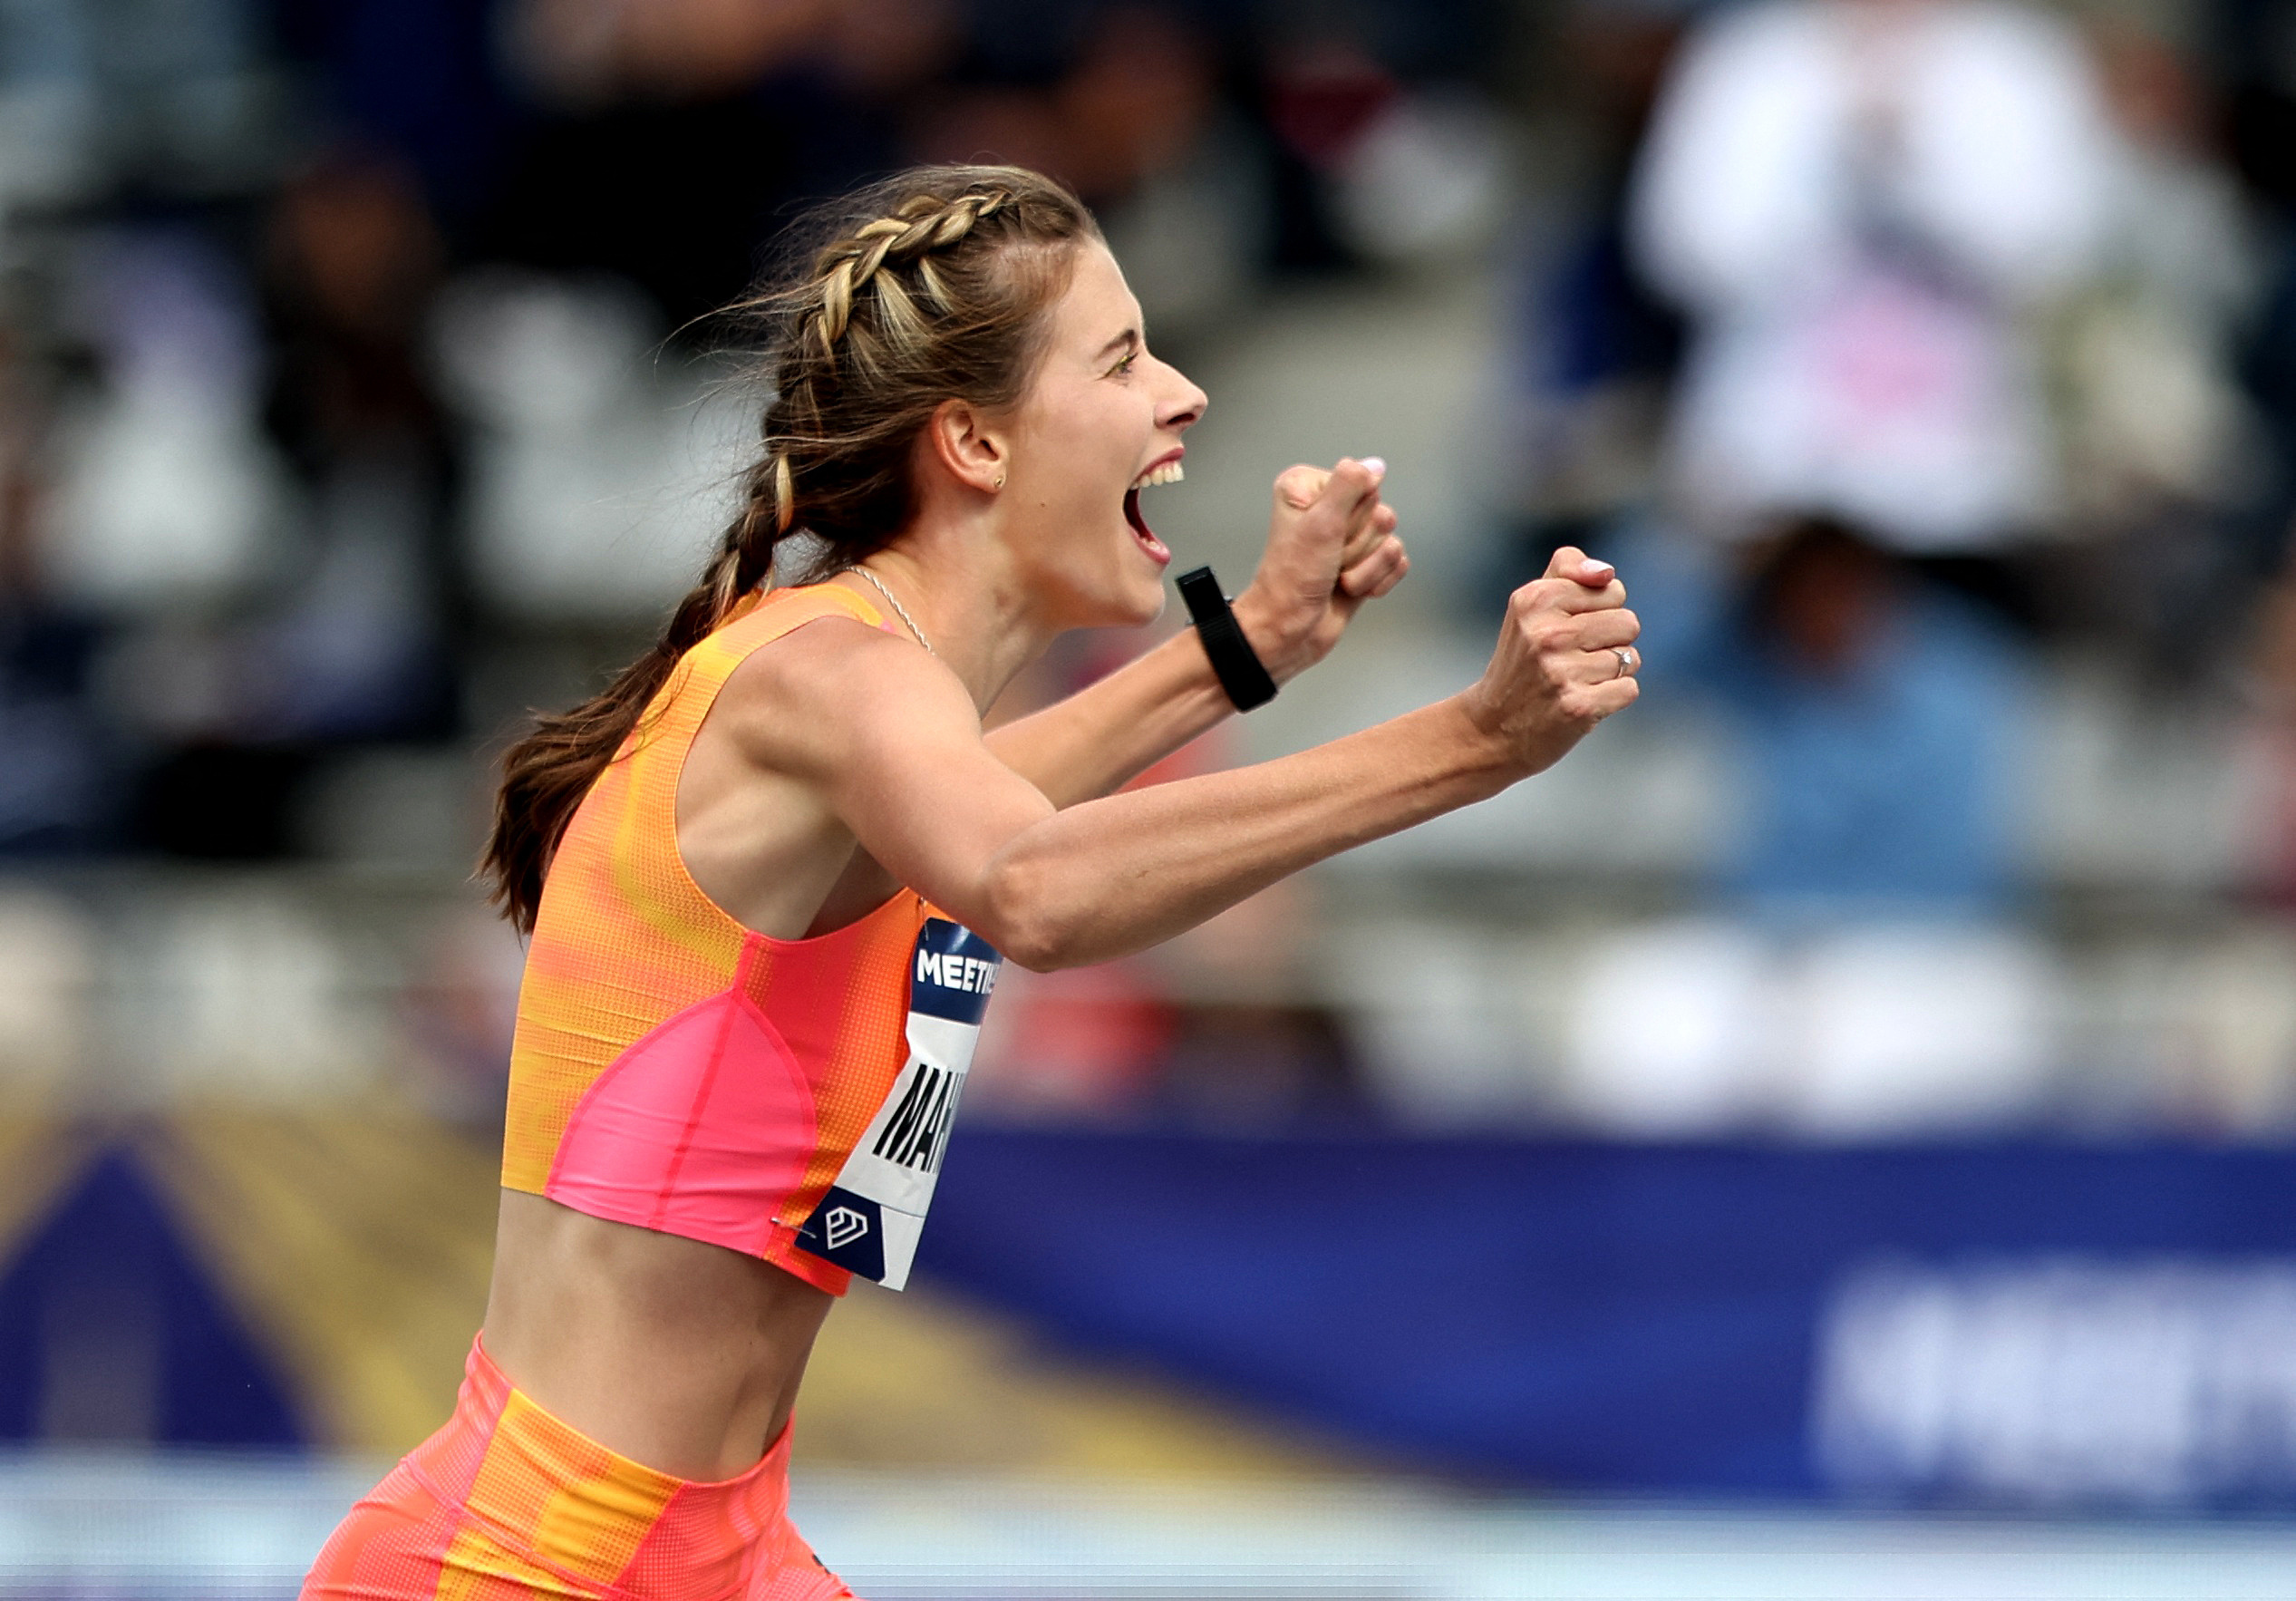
<point>545,774</point>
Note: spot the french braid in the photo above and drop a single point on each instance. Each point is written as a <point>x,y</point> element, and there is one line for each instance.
<point>931,285</point>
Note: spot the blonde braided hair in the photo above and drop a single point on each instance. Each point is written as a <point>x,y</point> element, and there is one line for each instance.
<point>930,286</point>
<point>921,225</point>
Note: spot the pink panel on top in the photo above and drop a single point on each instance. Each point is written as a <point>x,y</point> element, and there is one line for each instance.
<point>807,989</point>
<point>701,1128</point>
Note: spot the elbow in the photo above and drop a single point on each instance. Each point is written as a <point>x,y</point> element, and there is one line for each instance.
<point>1022,917</point>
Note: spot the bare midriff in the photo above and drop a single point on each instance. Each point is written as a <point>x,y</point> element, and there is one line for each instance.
<point>680,1355</point>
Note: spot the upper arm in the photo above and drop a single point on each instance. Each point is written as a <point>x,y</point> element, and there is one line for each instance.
<point>892,742</point>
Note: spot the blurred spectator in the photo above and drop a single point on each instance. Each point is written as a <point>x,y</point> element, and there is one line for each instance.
<point>54,787</point>
<point>672,133</point>
<point>1411,172</point>
<point>1129,111</point>
<point>1885,726</point>
<point>2255,74</point>
<point>354,260</point>
<point>172,514</point>
<point>595,486</point>
<point>287,593</point>
<point>1858,202</point>
<point>1862,206</point>
<point>360,649</point>
<point>2165,456</point>
<point>1884,721</point>
<point>2155,416</point>
<point>170,497</point>
<point>1596,350</point>
<point>1131,104</point>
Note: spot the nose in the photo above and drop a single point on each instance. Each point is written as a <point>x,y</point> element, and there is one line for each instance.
<point>1179,404</point>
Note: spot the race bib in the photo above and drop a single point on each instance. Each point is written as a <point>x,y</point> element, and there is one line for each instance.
<point>869,1222</point>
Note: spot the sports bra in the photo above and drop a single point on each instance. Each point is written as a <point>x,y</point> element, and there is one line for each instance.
<point>671,1069</point>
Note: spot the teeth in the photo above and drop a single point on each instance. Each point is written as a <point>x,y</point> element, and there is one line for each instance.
<point>1169,473</point>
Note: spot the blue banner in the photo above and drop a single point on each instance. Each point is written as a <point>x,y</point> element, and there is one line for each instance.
<point>2022,1324</point>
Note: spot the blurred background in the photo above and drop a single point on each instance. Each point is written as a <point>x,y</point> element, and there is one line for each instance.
<point>1835,1135</point>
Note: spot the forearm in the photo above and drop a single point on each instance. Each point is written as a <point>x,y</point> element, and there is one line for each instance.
<point>1109,876</point>
<point>1109,732</point>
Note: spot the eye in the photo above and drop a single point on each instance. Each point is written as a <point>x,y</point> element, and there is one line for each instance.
<point>1123,369</point>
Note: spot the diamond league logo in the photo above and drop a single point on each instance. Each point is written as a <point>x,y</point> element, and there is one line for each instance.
<point>843,1226</point>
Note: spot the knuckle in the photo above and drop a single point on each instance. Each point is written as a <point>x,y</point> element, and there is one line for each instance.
<point>1299,484</point>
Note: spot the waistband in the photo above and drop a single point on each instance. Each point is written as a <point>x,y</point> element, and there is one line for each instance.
<point>546,1491</point>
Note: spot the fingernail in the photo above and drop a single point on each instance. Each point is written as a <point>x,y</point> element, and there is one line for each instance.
<point>1600,566</point>
<point>1375,465</point>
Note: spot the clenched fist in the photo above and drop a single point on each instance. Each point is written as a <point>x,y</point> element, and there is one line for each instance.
<point>1565,661</point>
<point>1331,546</point>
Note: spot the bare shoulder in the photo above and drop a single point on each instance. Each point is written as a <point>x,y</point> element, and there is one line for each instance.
<point>800,702</point>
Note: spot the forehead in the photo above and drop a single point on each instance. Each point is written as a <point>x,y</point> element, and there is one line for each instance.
<point>1099,306</point>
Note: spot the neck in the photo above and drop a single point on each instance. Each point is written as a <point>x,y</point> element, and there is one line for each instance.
<point>979,628</point>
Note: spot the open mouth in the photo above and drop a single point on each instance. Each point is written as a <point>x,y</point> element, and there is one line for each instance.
<point>1163,472</point>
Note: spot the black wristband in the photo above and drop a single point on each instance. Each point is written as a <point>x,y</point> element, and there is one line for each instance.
<point>1233,661</point>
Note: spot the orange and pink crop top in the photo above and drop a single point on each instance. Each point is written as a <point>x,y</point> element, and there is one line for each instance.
<point>789,1099</point>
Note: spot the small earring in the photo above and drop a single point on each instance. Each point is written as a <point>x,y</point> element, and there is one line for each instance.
<point>999,481</point>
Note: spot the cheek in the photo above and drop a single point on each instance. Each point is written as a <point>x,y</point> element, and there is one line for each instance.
<point>1106,426</point>
<point>1088,468</point>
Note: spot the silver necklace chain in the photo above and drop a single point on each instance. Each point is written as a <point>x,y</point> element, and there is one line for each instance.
<point>899,610</point>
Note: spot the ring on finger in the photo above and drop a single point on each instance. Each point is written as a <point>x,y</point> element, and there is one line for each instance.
<point>1626,660</point>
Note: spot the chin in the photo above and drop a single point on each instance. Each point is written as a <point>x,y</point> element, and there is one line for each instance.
<point>1147,563</point>
<point>1147,606</point>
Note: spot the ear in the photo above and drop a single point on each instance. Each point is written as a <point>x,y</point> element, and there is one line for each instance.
<point>970,447</point>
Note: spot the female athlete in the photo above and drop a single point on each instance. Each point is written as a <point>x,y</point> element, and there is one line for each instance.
<point>768,874</point>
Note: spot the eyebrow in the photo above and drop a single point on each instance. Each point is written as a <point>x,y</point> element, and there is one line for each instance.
<point>1127,340</point>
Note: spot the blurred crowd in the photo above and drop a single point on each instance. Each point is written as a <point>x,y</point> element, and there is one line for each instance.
<point>1926,363</point>
<point>349,376</point>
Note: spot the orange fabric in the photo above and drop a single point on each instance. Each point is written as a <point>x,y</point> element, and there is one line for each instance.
<point>627,946</point>
<point>507,1503</point>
